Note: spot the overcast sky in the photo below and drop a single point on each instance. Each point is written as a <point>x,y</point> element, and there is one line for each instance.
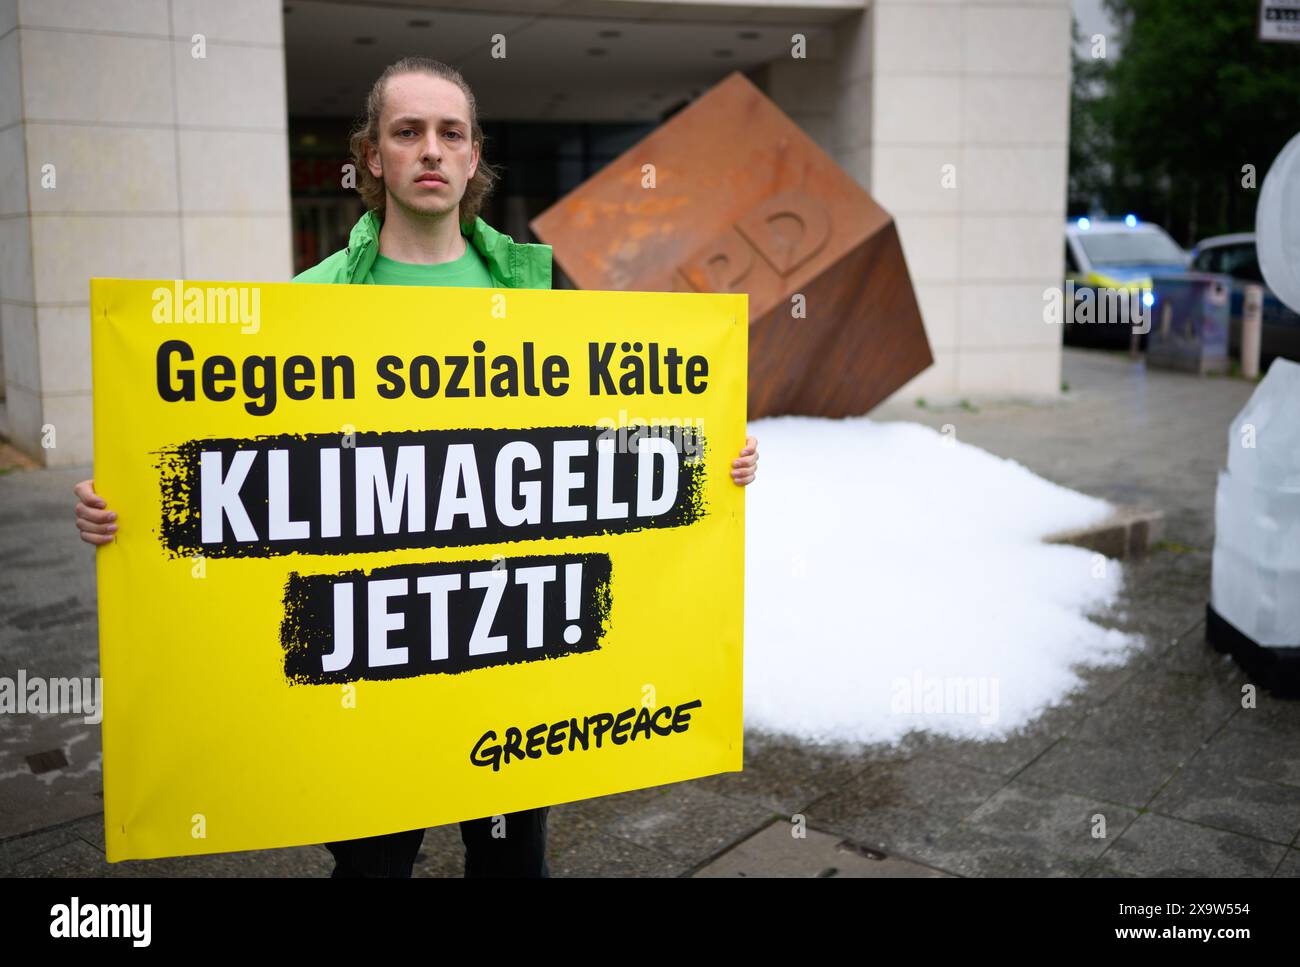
<point>1093,19</point>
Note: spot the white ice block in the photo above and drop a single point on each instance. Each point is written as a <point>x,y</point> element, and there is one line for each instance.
<point>1256,578</point>
<point>1264,441</point>
<point>1260,602</point>
<point>1262,524</point>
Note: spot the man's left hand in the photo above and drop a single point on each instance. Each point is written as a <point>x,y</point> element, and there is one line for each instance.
<point>746,465</point>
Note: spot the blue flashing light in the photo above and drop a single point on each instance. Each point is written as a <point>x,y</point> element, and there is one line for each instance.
<point>1083,224</point>
<point>1131,221</point>
<point>1148,298</point>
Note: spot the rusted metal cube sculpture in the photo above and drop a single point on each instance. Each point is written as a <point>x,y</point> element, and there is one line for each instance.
<point>739,199</point>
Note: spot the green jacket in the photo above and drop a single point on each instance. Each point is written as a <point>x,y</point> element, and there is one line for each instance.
<point>512,265</point>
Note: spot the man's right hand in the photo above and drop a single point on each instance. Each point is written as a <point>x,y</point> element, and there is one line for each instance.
<point>95,521</point>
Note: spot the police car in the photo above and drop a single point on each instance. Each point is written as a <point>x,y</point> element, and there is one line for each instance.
<point>1106,258</point>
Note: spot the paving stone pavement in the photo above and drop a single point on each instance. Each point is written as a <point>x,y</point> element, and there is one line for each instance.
<point>1159,755</point>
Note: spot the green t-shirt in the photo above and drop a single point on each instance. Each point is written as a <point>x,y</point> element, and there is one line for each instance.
<point>468,270</point>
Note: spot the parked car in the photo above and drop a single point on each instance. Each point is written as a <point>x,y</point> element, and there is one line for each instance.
<point>1118,257</point>
<point>1235,255</point>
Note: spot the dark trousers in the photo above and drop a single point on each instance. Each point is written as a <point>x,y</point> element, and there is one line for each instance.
<point>520,852</point>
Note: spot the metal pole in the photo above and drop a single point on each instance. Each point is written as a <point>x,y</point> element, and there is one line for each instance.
<point>1252,328</point>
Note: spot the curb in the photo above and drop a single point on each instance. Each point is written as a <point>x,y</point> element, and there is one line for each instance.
<point>1129,532</point>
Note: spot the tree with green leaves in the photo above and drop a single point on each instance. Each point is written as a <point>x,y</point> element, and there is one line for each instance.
<point>1193,105</point>
<point>1089,135</point>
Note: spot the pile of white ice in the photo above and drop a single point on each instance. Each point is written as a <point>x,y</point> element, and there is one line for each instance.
<point>896,580</point>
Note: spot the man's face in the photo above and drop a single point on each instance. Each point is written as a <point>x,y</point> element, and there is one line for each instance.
<point>425,157</point>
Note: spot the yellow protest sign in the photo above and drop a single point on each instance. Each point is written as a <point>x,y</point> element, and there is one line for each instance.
<point>392,557</point>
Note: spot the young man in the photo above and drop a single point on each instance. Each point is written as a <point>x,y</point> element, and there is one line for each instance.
<point>420,172</point>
